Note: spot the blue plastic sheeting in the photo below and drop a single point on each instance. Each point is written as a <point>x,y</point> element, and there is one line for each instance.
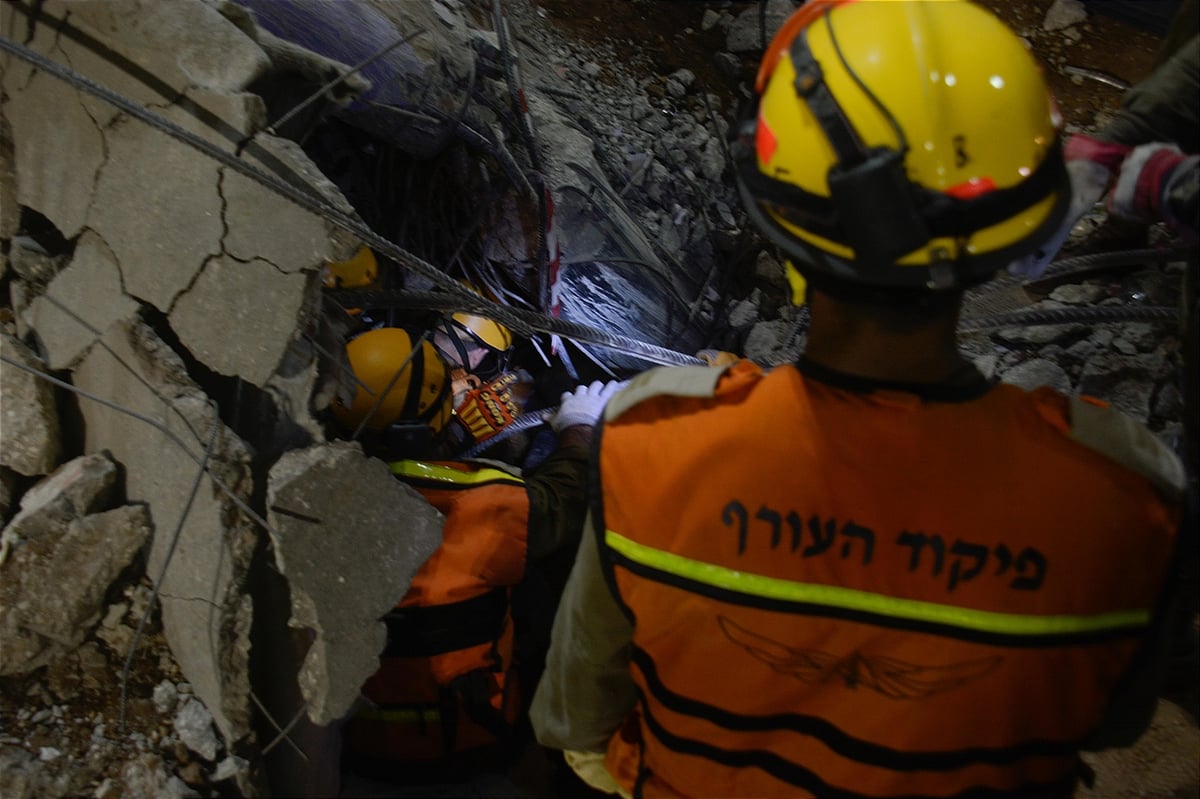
<point>351,32</point>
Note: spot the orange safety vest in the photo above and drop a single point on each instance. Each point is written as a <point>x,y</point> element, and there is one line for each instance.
<point>445,682</point>
<point>866,593</point>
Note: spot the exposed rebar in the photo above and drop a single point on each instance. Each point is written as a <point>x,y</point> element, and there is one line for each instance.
<point>1087,314</point>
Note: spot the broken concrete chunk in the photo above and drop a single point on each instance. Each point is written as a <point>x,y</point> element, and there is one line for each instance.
<point>10,214</point>
<point>749,28</point>
<point>259,308</point>
<point>30,441</point>
<point>1038,372</point>
<point>81,302</point>
<point>59,149</point>
<point>192,42</point>
<point>64,594</point>
<point>205,613</point>
<point>348,537</point>
<point>52,588</point>
<point>193,725</point>
<point>81,486</point>
<point>1064,13</point>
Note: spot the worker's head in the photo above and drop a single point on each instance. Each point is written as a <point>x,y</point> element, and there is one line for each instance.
<point>902,149</point>
<point>475,344</point>
<point>395,384</point>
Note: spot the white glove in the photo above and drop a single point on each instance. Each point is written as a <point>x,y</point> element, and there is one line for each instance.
<point>1089,182</point>
<point>584,405</point>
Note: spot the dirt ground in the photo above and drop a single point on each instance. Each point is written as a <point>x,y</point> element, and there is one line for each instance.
<point>666,35</point>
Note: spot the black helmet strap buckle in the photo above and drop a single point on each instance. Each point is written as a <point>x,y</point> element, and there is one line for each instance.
<point>872,196</point>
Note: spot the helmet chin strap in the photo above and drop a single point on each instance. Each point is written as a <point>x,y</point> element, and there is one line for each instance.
<point>450,328</point>
<point>872,196</point>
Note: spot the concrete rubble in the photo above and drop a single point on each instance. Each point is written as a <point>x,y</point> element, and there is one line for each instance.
<point>344,561</point>
<point>178,303</point>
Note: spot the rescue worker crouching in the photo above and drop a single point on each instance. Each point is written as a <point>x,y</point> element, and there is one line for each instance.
<point>450,697</point>
<point>870,573</point>
<point>420,395</point>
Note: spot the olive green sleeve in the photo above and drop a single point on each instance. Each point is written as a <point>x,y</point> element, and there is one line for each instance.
<point>1163,106</point>
<point>557,490</point>
<point>586,690</point>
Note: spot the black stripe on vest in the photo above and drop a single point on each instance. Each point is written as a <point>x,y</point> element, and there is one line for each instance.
<point>794,774</point>
<point>877,619</point>
<point>436,629</point>
<point>847,746</point>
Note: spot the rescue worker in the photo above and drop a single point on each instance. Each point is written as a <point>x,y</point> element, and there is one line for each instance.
<point>411,399</point>
<point>1146,162</point>
<point>870,573</point>
<point>450,697</point>
<point>474,344</point>
<point>1146,159</point>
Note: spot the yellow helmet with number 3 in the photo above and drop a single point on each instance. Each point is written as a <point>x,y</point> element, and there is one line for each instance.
<point>903,145</point>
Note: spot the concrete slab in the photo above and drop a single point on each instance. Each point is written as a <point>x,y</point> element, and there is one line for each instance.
<point>294,239</point>
<point>58,149</point>
<point>179,42</point>
<point>157,206</point>
<point>258,308</point>
<point>206,616</point>
<point>90,287</point>
<point>348,537</point>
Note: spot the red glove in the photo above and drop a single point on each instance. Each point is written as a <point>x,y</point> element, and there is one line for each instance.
<point>1091,164</point>
<point>1145,179</point>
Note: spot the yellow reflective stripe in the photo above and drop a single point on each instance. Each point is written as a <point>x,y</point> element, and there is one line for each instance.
<point>418,470</point>
<point>850,599</point>
<point>405,716</point>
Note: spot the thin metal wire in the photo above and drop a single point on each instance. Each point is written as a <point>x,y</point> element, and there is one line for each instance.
<point>520,320</point>
<point>1064,316</point>
<point>174,542</point>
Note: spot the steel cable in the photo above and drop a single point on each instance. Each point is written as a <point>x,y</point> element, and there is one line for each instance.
<point>1090,314</point>
<point>524,322</point>
<point>1082,263</point>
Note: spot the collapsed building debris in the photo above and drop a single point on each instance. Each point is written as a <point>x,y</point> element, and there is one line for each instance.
<point>173,335</point>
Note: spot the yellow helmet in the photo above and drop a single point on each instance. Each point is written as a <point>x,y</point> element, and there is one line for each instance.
<point>903,145</point>
<point>487,332</point>
<point>474,343</point>
<point>406,390</point>
<point>356,272</point>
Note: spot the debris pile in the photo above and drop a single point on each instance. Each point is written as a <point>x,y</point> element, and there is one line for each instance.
<point>191,557</point>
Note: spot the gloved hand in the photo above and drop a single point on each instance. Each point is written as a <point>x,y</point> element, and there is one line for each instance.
<point>584,405</point>
<point>1145,181</point>
<point>1091,165</point>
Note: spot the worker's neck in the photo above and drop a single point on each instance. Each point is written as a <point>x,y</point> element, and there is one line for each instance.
<point>847,339</point>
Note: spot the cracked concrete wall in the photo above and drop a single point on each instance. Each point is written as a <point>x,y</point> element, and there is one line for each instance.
<point>157,230</point>
<point>198,525</point>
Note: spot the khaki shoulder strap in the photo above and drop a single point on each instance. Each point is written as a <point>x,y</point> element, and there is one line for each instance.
<point>1120,438</point>
<point>677,381</point>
